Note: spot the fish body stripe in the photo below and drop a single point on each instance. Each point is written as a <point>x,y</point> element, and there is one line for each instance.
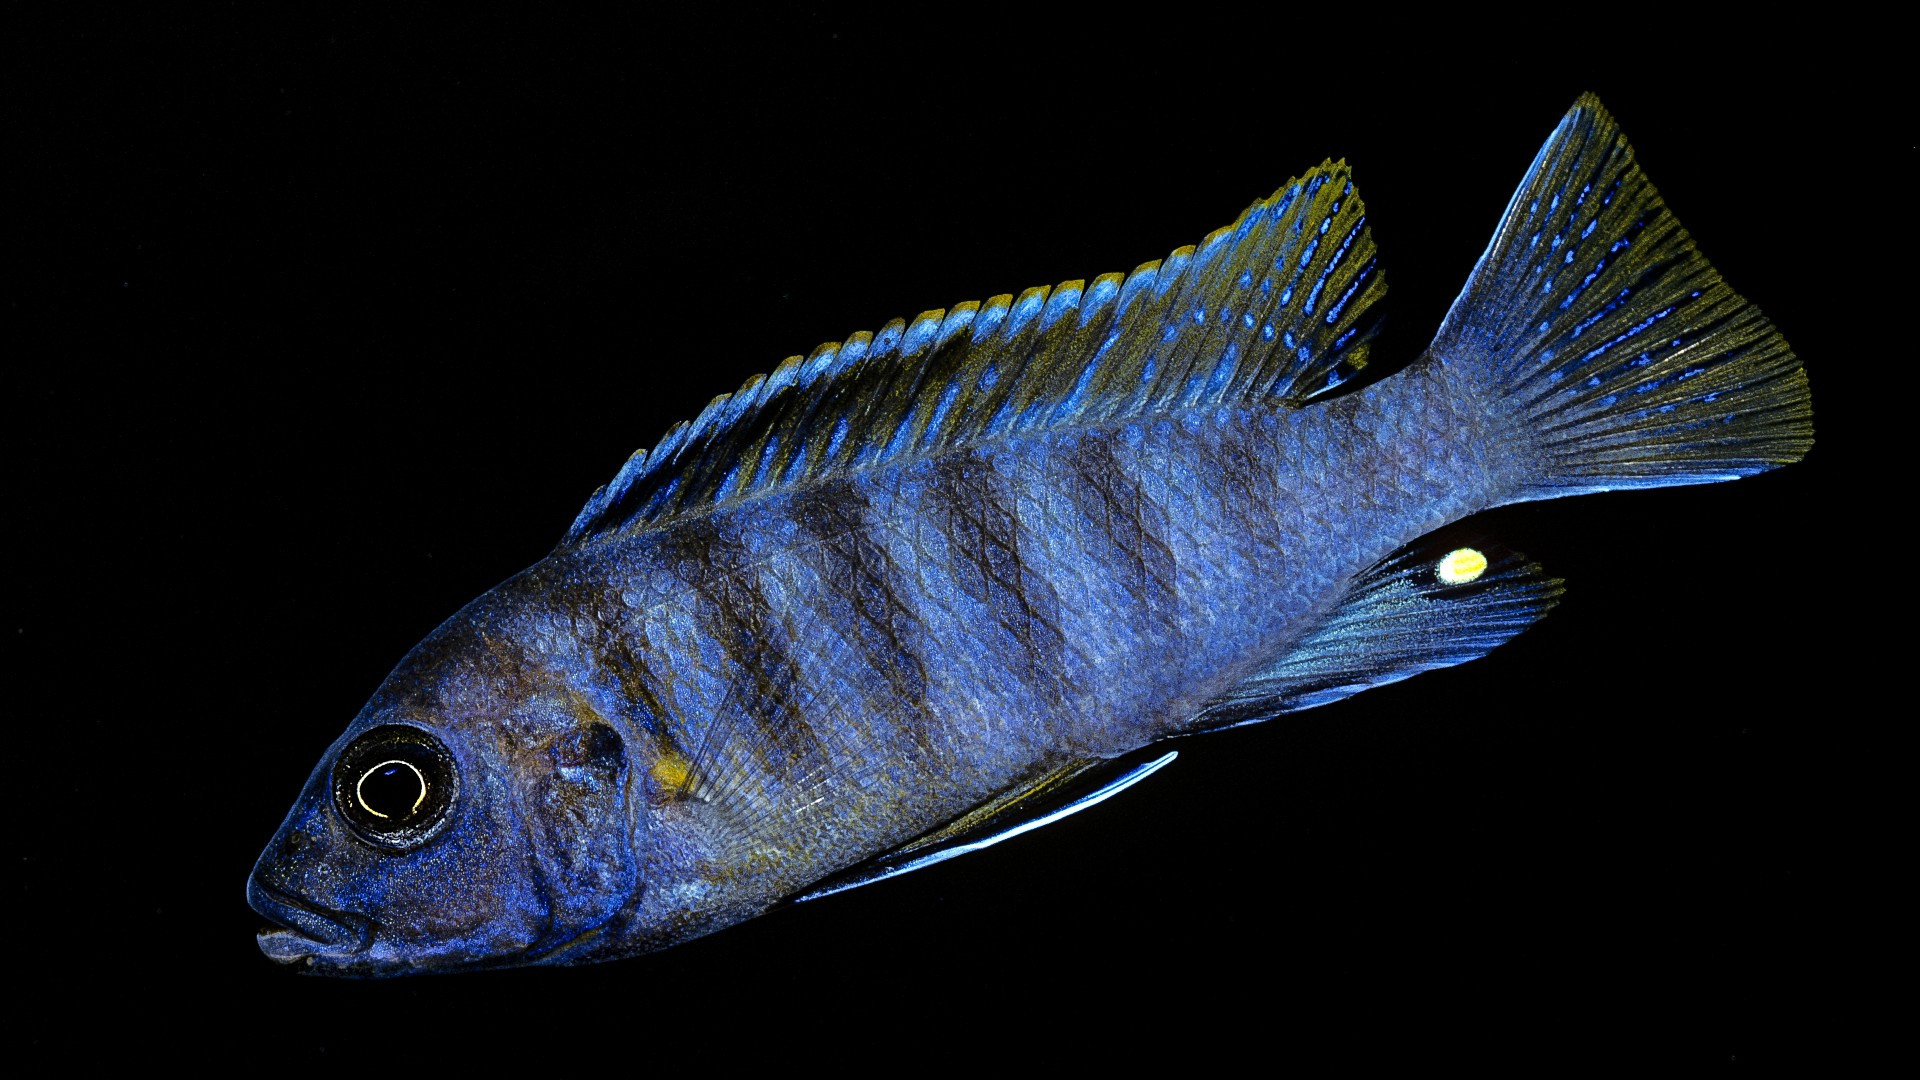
<point>973,506</point>
<point>862,594</point>
<point>1078,593</point>
<point>1125,530</point>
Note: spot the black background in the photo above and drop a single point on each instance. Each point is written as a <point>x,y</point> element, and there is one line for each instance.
<point>324,327</point>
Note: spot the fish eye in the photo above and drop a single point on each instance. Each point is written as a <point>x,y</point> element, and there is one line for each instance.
<point>394,785</point>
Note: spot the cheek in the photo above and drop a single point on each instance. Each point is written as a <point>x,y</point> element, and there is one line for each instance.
<point>467,892</point>
<point>458,890</point>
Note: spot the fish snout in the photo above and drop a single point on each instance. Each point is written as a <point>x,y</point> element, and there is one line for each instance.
<point>305,930</point>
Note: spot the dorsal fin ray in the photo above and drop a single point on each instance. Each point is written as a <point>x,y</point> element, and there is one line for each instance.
<point>1278,306</point>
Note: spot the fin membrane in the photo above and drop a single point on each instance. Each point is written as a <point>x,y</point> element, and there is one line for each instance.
<point>1061,793</point>
<point>1634,364</point>
<point>1278,305</point>
<point>1433,604</point>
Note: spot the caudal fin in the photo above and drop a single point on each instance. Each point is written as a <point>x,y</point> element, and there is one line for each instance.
<point>1631,361</point>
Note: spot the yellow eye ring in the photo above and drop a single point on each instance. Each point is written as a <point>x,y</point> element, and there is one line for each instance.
<point>370,789</point>
<point>411,767</point>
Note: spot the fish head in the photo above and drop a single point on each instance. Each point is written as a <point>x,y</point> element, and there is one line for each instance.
<point>475,814</point>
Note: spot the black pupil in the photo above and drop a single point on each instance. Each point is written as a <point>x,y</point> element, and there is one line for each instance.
<point>391,789</point>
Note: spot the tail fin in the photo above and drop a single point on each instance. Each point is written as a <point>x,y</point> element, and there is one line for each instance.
<point>1631,362</point>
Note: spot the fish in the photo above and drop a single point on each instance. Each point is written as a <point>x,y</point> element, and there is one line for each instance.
<point>927,589</point>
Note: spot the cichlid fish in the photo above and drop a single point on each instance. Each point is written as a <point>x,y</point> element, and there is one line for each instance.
<point>932,587</point>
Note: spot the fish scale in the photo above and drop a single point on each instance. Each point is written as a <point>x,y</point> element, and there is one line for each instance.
<point>935,586</point>
<point>1326,524</point>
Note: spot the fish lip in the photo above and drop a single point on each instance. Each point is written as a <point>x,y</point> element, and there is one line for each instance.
<point>306,930</point>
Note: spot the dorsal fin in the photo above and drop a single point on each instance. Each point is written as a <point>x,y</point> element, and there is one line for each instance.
<point>1275,306</point>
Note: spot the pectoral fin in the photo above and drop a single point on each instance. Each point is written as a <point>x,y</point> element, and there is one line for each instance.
<point>1023,808</point>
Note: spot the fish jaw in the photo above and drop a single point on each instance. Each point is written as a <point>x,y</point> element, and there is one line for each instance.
<point>305,931</point>
<point>324,941</point>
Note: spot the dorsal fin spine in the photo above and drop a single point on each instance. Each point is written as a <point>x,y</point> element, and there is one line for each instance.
<point>1177,344</point>
<point>1066,296</point>
<point>1211,324</point>
<point>889,336</point>
<point>1104,290</point>
<point>1138,282</point>
<point>921,333</point>
<point>1030,304</point>
<point>959,318</point>
<point>822,357</point>
<point>992,314</point>
<point>1171,269</point>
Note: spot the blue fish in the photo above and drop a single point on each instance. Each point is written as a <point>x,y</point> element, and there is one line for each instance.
<point>933,587</point>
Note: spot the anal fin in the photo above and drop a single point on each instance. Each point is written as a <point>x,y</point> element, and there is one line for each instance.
<point>1022,808</point>
<point>1440,601</point>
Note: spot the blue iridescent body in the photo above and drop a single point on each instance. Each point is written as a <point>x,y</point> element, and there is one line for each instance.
<point>925,587</point>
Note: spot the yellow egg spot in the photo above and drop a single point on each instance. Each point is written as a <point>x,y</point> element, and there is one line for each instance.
<point>671,771</point>
<point>1461,565</point>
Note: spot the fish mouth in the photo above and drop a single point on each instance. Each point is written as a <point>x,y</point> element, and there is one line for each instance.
<point>306,931</point>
